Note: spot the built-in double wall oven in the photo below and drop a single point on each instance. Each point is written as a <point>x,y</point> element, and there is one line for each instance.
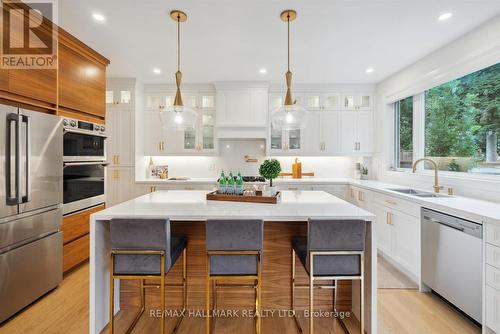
<point>84,165</point>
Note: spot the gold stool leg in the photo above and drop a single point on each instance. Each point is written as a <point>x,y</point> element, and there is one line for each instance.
<point>258,294</point>
<point>141,310</point>
<point>362,294</point>
<point>293,292</point>
<point>162,294</point>
<point>111,295</point>
<point>184,292</point>
<point>207,298</point>
<point>311,294</point>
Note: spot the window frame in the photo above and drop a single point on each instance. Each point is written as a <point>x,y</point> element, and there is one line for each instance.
<point>419,144</point>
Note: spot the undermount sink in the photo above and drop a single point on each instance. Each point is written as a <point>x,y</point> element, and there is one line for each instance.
<point>417,193</point>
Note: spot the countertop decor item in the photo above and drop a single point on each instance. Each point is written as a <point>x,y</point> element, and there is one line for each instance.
<point>364,173</point>
<point>178,116</point>
<point>270,169</point>
<point>215,196</point>
<point>290,116</point>
<point>297,171</point>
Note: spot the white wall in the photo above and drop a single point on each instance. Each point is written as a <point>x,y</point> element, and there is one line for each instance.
<point>473,51</point>
<point>231,157</point>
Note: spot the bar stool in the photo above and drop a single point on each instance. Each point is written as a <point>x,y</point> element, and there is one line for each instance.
<point>144,249</point>
<point>332,251</point>
<point>234,251</point>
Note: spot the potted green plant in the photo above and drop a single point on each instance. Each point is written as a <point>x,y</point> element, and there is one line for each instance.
<point>364,173</point>
<point>270,169</point>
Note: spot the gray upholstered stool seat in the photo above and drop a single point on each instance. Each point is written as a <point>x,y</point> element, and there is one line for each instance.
<point>234,250</point>
<point>140,264</point>
<point>145,249</point>
<point>233,265</point>
<point>345,265</point>
<point>333,250</point>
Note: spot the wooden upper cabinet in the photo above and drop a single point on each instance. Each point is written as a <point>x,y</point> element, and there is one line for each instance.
<point>82,82</point>
<point>4,80</point>
<point>40,85</point>
<point>82,77</point>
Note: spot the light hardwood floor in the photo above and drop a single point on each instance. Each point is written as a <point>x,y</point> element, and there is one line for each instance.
<point>65,310</point>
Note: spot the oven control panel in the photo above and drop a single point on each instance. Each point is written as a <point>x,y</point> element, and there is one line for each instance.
<point>70,123</point>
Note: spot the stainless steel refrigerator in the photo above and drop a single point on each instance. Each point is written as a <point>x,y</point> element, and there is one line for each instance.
<point>31,159</point>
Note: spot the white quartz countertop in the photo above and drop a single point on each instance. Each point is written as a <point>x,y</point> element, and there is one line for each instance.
<point>279,180</point>
<point>464,207</point>
<point>189,205</point>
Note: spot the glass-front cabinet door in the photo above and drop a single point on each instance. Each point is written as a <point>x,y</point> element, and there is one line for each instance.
<point>190,139</point>
<point>119,97</point>
<point>331,102</point>
<point>294,140</point>
<point>276,139</point>
<point>357,102</point>
<point>208,131</point>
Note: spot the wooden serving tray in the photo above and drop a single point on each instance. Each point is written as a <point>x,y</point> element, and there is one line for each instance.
<point>214,196</point>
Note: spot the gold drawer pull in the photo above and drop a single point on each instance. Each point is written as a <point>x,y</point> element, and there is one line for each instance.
<point>388,201</point>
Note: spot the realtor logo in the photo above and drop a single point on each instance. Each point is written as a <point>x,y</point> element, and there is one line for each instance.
<point>28,34</point>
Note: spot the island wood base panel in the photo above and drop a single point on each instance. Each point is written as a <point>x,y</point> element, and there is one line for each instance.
<point>276,276</point>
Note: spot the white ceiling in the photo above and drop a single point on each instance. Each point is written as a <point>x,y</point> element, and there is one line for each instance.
<point>333,41</point>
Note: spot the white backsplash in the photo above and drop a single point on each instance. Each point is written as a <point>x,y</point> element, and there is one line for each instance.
<point>231,157</point>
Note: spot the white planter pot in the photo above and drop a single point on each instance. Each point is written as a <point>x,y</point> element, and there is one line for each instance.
<point>272,190</point>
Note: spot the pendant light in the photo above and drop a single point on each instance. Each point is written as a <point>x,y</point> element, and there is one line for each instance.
<point>290,116</point>
<point>178,116</point>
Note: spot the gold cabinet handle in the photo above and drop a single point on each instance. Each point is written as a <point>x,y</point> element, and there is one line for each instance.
<point>389,218</point>
<point>117,159</point>
<point>388,201</point>
<point>361,196</point>
<point>153,188</point>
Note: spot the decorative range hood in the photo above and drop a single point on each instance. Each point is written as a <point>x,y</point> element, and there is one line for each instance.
<point>242,110</point>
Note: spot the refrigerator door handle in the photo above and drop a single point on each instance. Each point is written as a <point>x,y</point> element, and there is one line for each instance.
<point>12,118</point>
<point>27,197</point>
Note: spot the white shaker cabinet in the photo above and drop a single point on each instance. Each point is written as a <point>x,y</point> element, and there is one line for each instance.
<point>383,228</point>
<point>356,132</point>
<point>406,241</point>
<point>120,125</point>
<point>120,185</point>
<point>398,231</point>
<point>492,279</point>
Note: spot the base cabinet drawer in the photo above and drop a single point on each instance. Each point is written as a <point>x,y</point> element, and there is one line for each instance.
<point>492,234</point>
<point>76,252</point>
<point>492,309</point>
<point>77,225</point>
<point>492,255</point>
<point>493,277</point>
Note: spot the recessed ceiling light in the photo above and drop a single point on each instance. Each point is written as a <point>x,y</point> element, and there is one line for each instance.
<point>98,17</point>
<point>262,71</point>
<point>369,70</point>
<point>156,71</point>
<point>445,16</point>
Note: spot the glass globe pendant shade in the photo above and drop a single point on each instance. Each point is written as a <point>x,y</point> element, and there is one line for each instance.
<point>179,118</point>
<point>289,117</point>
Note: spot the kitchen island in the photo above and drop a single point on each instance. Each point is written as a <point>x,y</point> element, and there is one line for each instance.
<point>188,210</point>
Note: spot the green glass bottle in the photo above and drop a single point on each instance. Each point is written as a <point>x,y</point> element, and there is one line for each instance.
<point>222,183</point>
<point>230,184</point>
<point>239,184</point>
